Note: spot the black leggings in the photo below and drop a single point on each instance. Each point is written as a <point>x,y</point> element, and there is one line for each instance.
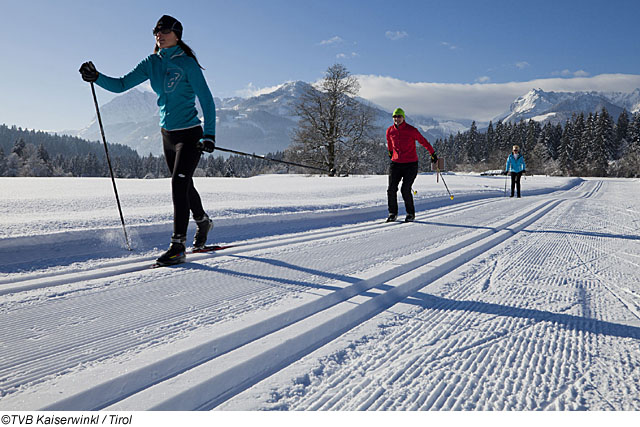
<point>515,182</point>
<point>182,158</point>
<point>406,172</point>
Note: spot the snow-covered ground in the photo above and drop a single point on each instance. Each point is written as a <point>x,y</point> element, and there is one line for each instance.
<point>484,303</point>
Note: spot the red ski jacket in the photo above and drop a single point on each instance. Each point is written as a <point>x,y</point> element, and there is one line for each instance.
<point>401,142</point>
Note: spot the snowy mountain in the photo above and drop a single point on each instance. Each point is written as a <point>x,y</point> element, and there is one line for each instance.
<point>557,107</point>
<point>259,124</point>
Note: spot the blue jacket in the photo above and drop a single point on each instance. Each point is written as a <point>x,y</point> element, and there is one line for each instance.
<point>515,165</point>
<point>177,79</point>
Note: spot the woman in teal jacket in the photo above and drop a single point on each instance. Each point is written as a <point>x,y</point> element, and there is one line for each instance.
<point>176,77</point>
<point>515,167</point>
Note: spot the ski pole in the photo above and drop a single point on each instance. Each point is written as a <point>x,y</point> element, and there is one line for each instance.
<point>505,185</point>
<point>113,180</point>
<point>444,182</point>
<point>331,172</point>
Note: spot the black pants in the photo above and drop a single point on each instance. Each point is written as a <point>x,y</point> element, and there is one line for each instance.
<point>182,158</point>
<point>515,182</point>
<point>405,172</point>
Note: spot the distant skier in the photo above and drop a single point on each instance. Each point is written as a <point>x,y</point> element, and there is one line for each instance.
<point>176,77</point>
<point>401,143</point>
<point>515,167</point>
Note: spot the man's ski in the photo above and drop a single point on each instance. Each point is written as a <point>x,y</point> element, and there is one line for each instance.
<point>205,249</point>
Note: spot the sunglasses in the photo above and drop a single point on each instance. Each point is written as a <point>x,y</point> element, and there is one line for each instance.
<point>163,31</point>
<point>397,117</point>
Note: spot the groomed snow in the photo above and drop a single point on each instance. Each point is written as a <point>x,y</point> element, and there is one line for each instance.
<point>484,303</point>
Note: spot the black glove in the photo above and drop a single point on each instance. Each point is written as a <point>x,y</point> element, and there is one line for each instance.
<point>524,172</point>
<point>434,158</point>
<point>89,72</point>
<point>207,143</point>
<point>505,173</point>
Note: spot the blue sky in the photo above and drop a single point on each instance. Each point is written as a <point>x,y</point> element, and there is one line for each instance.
<point>442,58</point>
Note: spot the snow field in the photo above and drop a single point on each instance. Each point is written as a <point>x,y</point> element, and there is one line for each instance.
<point>486,303</point>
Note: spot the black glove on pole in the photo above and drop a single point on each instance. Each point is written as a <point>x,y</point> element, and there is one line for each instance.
<point>207,143</point>
<point>89,72</point>
<point>106,150</point>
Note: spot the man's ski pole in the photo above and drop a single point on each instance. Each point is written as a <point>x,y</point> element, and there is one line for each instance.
<point>443,181</point>
<point>113,181</point>
<point>330,172</point>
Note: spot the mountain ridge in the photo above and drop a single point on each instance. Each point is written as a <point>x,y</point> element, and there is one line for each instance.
<point>265,123</point>
<point>558,107</point>
<point>259,124</point>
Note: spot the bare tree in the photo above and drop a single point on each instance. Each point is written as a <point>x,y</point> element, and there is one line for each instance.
<point>335,131</point>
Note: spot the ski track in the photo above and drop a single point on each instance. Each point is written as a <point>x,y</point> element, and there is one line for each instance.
<point>514,314</point>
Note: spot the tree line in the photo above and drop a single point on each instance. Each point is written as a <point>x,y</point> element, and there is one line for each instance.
<point>338,132</point>
<point>35,153</point>
<point>586,145</point>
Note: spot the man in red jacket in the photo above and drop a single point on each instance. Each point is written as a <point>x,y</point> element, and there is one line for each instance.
<point>401,142</point>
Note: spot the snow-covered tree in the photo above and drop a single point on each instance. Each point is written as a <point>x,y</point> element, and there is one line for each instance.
<point>622,134</point>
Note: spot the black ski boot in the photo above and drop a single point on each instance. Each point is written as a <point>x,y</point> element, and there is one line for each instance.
<point>392,217</point>
<point>203,226</point>
<point>176,253</point>
<point>410,218</point>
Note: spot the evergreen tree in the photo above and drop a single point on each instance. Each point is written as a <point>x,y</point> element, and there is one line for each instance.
<point>634,133</point>
<point>622,134</point>
<point>533,131</point>
<point>472,144</point>
<point>567,149</point>
<point>13,165</point>
<point>629,163</point>
<point>43,154</point>
<point>3,163</point>
<point>606,134</point>
<point>555,141</point>
<point>597,154</point>
<point>580,136</point>
<point>90,166</point>
<point>18,147</point>
<point>34,165</point>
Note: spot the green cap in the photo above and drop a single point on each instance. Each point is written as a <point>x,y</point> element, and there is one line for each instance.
<point>398,112</point>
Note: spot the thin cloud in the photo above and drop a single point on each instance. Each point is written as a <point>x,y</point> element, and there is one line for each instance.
<point>481,102</point>
<point>569,73</point>
<point>332,40</point>
<point>250,90</point>
<point>449,45</point>
<point>396,35</point>
<point>522,65</point>
<point>483,79</point>
<point>347,55</point>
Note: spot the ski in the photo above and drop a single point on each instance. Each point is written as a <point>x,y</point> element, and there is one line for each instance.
<point>210,248</point>
<point>205,249</point>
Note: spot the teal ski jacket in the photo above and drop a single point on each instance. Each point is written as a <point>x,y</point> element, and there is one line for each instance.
<point>515,165</point>
<point>177,79</point>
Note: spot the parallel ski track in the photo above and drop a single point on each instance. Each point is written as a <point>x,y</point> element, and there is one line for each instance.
<point>209,385</point>
<point>463,361</point>
<point>134,264</point>
<point>335,313</point>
